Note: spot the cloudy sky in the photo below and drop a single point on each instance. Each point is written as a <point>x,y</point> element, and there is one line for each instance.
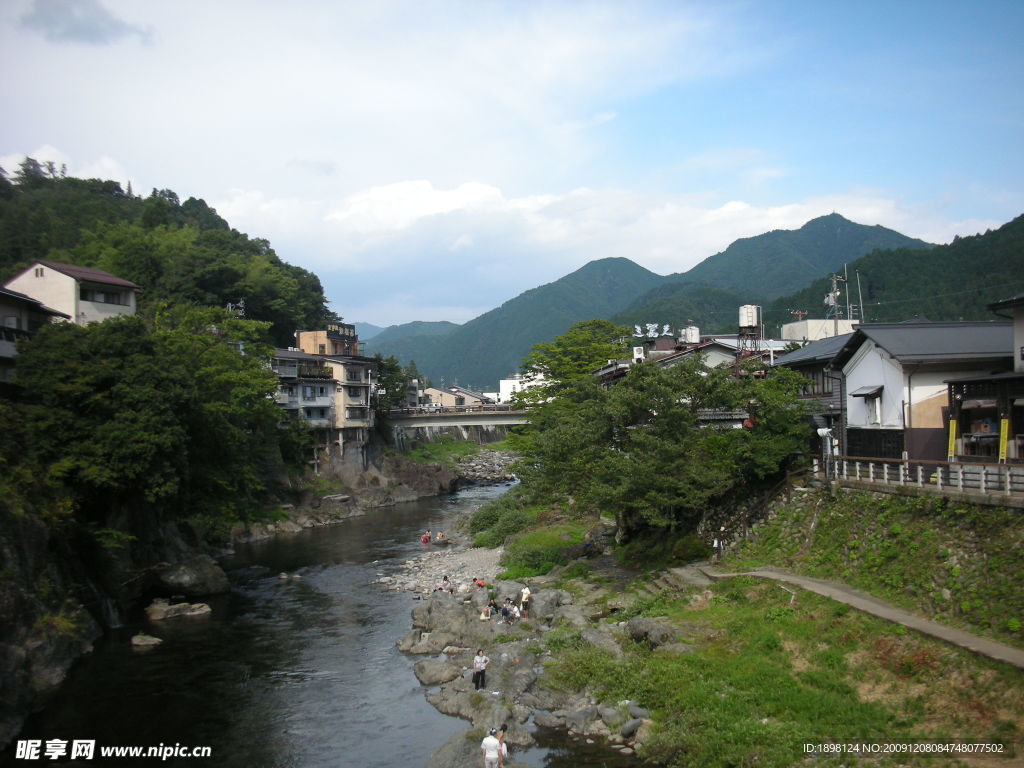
<point>432,159</point>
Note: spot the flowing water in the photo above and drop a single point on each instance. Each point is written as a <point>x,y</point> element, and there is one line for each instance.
<point>296,673</point>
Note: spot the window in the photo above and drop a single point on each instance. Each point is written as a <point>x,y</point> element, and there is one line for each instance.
<point>101,297</point>
<point>322,391</point>
<point>308,392</point>
<point>355,392</point>
<point>323,349</point>
<point>39,272</point>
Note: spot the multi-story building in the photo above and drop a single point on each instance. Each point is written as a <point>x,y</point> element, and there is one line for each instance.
<point>20,317</point>
<point>306,388</point>
<point>338,350</point>
<point>83,294</point>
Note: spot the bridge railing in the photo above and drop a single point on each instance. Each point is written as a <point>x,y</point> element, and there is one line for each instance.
<point>498,408</point>
<point>940,476</point>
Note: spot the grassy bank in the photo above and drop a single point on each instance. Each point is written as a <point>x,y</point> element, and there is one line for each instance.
<point>759,670</point>
<point>956,564</point>
<point>760,677</point>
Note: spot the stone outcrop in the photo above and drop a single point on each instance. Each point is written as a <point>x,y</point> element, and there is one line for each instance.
<point>485,468</point>
<point>161,609</point>
<point>193,576</point>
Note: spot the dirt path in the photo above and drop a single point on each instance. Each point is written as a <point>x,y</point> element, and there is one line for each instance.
<point>862,602</point>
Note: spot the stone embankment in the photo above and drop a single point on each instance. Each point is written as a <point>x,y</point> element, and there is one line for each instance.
<point>448,630</point>
<point>485,468</point>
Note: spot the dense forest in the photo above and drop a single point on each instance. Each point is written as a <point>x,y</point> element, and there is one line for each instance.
<point>179,252</point>
<point>947,282</point>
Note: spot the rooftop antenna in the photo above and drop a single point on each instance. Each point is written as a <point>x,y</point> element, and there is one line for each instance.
<point>846,279</point>
<point>860,296</point>
<point>832,300</point>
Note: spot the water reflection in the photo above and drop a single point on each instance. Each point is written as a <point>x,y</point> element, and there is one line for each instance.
<point>285,673</point>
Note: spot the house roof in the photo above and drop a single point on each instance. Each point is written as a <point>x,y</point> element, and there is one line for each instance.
<point>38,305</point>
<point>933,342</point>
<point>295,354</point>
<point>819,351</point>
<point>704,346</point>
<point>90,275</point>
<point>1015,301</point>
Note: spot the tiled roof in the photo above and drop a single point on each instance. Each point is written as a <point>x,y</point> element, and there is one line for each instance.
<point>816,352</point>
<point>934,342</point>
<point>88,274</point>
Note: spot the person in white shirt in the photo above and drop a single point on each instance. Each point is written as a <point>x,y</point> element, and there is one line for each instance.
<point>524,601</point>
<point>490,747</point>
<point>480,663</point>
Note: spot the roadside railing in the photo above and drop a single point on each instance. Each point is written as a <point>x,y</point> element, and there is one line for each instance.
<point>453,409</point>
<point>941,476</point>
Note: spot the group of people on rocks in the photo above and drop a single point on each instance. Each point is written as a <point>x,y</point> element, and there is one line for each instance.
<point>509,611</point>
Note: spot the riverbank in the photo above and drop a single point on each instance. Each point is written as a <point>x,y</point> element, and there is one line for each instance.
<point>739,672</point>
<point>448,629</point>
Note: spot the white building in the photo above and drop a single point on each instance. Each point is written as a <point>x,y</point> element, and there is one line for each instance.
<point>814,330</point>
<point>84,294</point>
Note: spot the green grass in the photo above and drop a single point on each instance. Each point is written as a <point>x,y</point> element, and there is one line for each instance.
<point>956,564</point>
<point>446,451</point>
<point>536,552</point>
<point>767,677</point>
<point>497,521</point>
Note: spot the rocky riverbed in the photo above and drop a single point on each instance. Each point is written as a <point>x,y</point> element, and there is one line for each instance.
<point>447,630</point>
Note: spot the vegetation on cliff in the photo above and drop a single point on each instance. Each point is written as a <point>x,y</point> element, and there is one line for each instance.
<point>179,252</point>
<point>173,413</point>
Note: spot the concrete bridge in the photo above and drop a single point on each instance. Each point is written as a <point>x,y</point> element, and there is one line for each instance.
<point>461,416</point>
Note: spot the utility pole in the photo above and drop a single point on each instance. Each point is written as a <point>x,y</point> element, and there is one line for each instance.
<point>832,300</point>
<point>860,296</point>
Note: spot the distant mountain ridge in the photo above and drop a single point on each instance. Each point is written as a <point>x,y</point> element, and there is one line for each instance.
<point>490,347</point>
<point>901,276</point>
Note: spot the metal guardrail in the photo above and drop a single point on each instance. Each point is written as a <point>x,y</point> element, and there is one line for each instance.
<point>941,476</point>
<point>454,409</point>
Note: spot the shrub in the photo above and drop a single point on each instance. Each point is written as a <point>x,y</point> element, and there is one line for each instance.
<point>537,552</point>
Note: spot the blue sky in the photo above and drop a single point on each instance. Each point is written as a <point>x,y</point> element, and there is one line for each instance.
<point>430,160</point>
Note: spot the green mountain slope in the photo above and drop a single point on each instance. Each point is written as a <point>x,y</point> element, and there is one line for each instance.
<point>708,307</point>
<point>947,282</point>
<point>755,270</point>
<point>491,346</point>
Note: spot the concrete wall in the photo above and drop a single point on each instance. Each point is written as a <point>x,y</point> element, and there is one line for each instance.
<point>406,438</point>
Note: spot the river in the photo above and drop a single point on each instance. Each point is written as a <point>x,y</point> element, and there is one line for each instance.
<point>297,673</point>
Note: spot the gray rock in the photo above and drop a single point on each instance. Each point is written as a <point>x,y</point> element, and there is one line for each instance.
<point>609,716</point>
<point>650,631</point>
<point>581,719</point>
<point>194,576</point>
<point>638,711</point>
<point>434,672</point>
<point>548,720</point>
<point>145,641</point>
<point>630,727</point>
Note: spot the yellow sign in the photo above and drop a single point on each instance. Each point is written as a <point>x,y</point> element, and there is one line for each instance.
<point>952,439</point>
<point>1004,434</point>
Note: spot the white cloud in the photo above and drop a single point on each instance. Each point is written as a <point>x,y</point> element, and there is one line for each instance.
<point>397,206</point>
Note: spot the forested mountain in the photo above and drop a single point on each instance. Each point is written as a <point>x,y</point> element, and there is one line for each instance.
<point>178,252</point>
<point>755,270</point>
<point>491,346</point>
<point>750,271</point>
<point>775,263</point>
<point>367,331</point>
<point>946,282</point>
<point>711,308</point>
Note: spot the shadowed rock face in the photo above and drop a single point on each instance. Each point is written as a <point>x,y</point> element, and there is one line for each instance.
<point>194,576</point>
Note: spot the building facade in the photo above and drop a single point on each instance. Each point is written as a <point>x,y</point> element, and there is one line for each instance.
<point>84,294</point>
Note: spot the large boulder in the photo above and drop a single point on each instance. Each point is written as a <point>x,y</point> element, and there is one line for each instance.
<point>193,576</point>
<point>650,631</point>
<point>434,672</point>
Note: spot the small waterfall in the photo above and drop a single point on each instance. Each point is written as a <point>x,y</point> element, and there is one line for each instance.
<point>106,609</point>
